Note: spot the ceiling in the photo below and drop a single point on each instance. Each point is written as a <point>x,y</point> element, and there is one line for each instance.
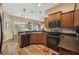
<point>34,11</point>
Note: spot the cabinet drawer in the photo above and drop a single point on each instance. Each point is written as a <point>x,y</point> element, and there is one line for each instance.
<point>66,52</point>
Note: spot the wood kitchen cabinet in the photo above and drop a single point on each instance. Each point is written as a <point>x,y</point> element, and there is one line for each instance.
<point>46,22</point>
<point>52,17</point>
<point>55,20</point>
<point>69,45</point>
<point>67,20</point>
<point>24,39</point>
<point>76,18</point>
<point>55,16</point>
<point>37,38</point>
<point>66,52</point>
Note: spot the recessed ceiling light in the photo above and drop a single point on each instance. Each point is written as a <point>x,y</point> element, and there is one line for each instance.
<point>39,5</point>
<point>24,9</point>
<point>31,11</point>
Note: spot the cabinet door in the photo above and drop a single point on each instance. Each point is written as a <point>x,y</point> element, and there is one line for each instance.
<point>55,16</point>
<point>33,38</point>
<point>66,52</point>
<point>51,17</point>
<point>70,45</point>
<point>46,22</point>
<point>67,20</point>
<point>38,38</point>
<point>42,38</point>
<point>76,18</point>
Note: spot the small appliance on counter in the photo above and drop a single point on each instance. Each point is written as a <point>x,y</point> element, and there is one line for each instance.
<point>77,31</point>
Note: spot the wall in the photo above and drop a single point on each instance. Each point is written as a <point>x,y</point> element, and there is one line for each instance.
<point>17,19</point>
<point>7,31</point>
<point>3,20</point>
<point>64,7</point>
<point>9,27</point>
<point>7,34</point>
<point>1,9</point>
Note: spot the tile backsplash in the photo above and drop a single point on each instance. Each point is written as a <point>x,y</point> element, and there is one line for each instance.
<point>67,30</point>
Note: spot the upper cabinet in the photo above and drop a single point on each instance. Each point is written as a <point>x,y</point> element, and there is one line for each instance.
<point>46,22</point>
<point>76,18</point>
<point>55,20</point>
<point>55,16</point>
<point>67,20</point>
<point>76,15</point>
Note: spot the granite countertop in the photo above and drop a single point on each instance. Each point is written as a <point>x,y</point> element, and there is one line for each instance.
<point>65,33</point>
<point>69,34</point>
<point>29,31</point>
<point>46,32</point>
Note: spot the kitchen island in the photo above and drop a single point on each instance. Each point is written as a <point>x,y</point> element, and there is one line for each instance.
<point>35,37</point>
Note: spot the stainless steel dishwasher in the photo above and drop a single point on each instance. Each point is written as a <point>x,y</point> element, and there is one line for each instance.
<point>53,41</point>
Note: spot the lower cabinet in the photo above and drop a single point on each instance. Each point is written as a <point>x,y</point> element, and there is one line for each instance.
<point>69,45</point>
<point>32,38</point>
<point>63,51</point>
<point>37,38</point>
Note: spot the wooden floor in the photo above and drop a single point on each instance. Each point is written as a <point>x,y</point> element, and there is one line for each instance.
<point>37,49</point>
<point>10,47</point>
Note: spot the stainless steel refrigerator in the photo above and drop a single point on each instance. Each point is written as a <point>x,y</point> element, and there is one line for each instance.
<point>1,34</point>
